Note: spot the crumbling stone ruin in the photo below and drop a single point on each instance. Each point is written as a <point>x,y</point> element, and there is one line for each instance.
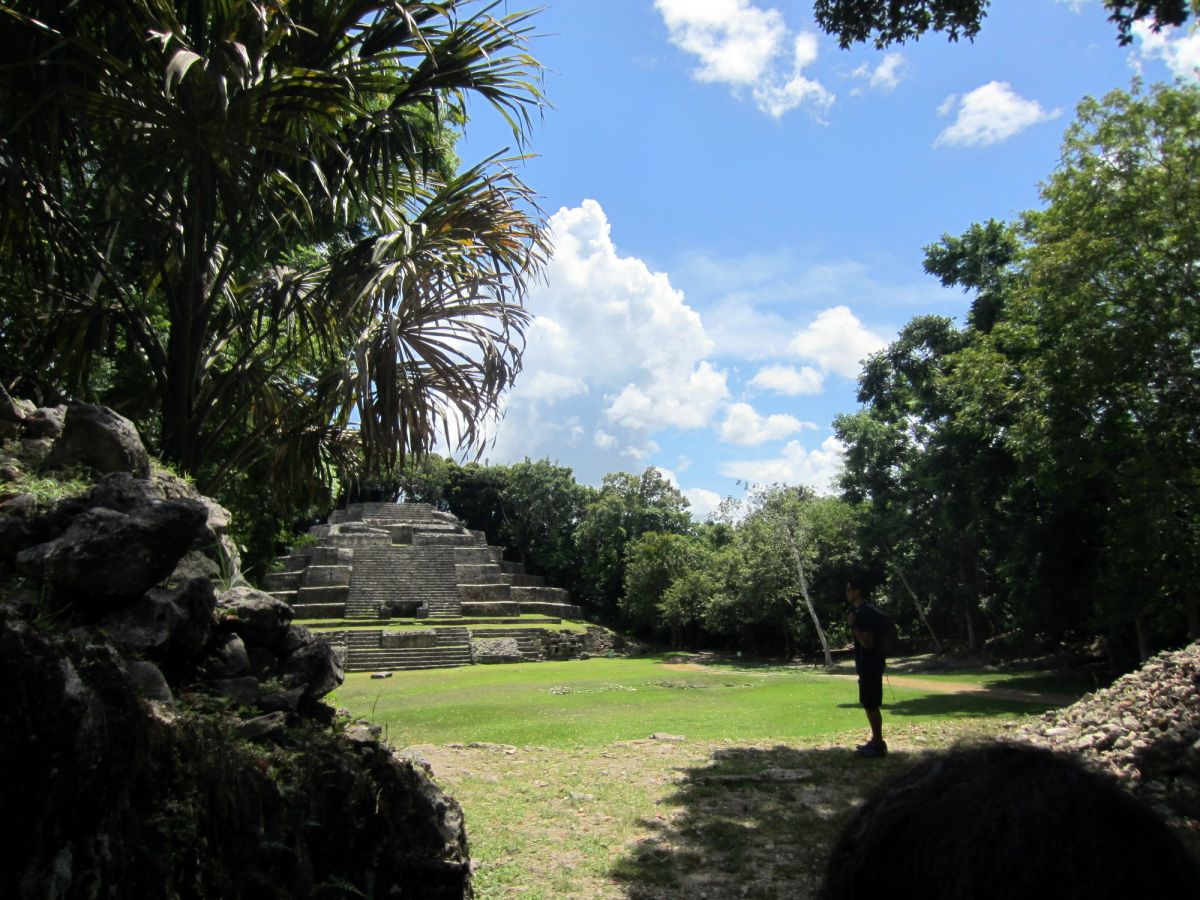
<point>1145,730</point>
<point>390,562</point>
<point>165,736</point>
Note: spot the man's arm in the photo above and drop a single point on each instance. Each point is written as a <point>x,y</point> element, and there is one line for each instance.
<point>866,639</point>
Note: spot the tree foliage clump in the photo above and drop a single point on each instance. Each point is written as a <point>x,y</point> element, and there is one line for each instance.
<point>1037,468</point>
<point>886,22</point>
<point>242,224</point>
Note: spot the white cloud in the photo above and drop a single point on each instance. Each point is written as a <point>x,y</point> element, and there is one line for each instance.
<point>703,502</point>
<point>612,344</point>
<point>637,454</point>
<point>990,114</point>
<point>748,48</point>
<point>885,77</point>
<point>788,380</point>
<point>744,426</point>
<point>604,440</point>
<point>1179,50</point>
<point>795,465</point>
<point>837,341</point>
<point>947,106</point>
<point>674,397</point>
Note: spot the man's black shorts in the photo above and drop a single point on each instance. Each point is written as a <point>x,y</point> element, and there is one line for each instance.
<point>870,690</point>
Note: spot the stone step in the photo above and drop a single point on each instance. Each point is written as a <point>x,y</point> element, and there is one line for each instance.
<point>507,608</point>
<point>283,581</point>
<point>444,539</point>
<point>328,555</point>
<point>408,658</point>
<point>336,593</point>
<point>480,573</point>
<point>354,541</point>
<point>293,562</point>
<point>477,554</point>
<point>540,595</point>
<point>526,580</point>
<point>486,593</point>
<point>512,568</point>
<point>325,576</point>
<point>288,597</point>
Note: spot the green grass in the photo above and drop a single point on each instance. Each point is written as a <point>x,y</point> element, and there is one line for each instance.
<point>566,796</point>
<point>589,703</point>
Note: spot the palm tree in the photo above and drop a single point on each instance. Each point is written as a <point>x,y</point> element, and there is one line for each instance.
<point>243,215</point>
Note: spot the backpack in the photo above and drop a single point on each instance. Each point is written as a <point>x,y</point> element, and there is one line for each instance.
<point>886,636</point>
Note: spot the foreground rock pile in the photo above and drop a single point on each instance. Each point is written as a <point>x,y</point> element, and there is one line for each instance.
<point>162,729</point>
<point>1144,729</point>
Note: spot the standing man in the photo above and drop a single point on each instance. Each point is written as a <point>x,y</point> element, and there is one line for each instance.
<point>868,663</point>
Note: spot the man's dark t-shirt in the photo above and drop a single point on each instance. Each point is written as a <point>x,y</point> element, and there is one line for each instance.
<point>867,660</point>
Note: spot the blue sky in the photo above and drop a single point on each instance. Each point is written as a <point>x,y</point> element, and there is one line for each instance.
<point>739,209</point>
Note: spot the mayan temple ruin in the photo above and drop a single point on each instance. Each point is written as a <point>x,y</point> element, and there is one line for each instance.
<point>437,593</point>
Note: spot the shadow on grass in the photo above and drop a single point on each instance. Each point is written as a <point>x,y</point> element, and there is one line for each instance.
<point>977,704</point>
<point>752,822</point>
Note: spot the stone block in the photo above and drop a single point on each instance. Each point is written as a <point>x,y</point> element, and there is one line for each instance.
<point>401,639</point>
<point>496,650</point>
<point>491,608</point>
<point>283,581</point>
<point>488,593</point>
<point>327,576</point>
<point>328,594</point>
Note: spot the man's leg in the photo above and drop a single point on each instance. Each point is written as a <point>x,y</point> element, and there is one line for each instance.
<point>875,717</point>
<point>870,695</point>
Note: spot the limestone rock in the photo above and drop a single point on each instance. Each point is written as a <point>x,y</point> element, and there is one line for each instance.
<point>255,616</point>
<point>1142,730</point>
<point>46,422</point>
<point>112,558</point>
<point>317,667</point>
<point>149,683</point>
<point>169,626</point>
<point>227,659</point>
<point>102,440</point>
<point>23,506</point>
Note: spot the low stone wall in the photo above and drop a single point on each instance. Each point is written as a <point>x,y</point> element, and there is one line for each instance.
<point>564,645</point>
<point>399,639</point>
<point>496,650</point>
<point>490,608</point>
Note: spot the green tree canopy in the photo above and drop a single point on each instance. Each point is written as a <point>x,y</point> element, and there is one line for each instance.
<point>241,216</point>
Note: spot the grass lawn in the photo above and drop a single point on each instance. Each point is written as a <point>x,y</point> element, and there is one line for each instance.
<point>632,778</point>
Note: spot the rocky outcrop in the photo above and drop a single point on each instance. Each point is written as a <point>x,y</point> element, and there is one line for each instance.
<point>123,798</point>
<point>99,439</point>
<point>161,737</point>
<point>1144,729</point>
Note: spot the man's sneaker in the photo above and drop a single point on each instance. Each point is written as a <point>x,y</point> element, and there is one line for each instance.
<point>872,750</point>
<point>861,747</point>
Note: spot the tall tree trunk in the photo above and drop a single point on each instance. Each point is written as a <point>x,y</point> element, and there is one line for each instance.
<point>920,612</point>
<point>972,638</point>
<point>812,610</point>
<point>1143,638</point>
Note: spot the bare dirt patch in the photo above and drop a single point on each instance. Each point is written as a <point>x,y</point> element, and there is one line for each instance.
<point>667,818</point>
